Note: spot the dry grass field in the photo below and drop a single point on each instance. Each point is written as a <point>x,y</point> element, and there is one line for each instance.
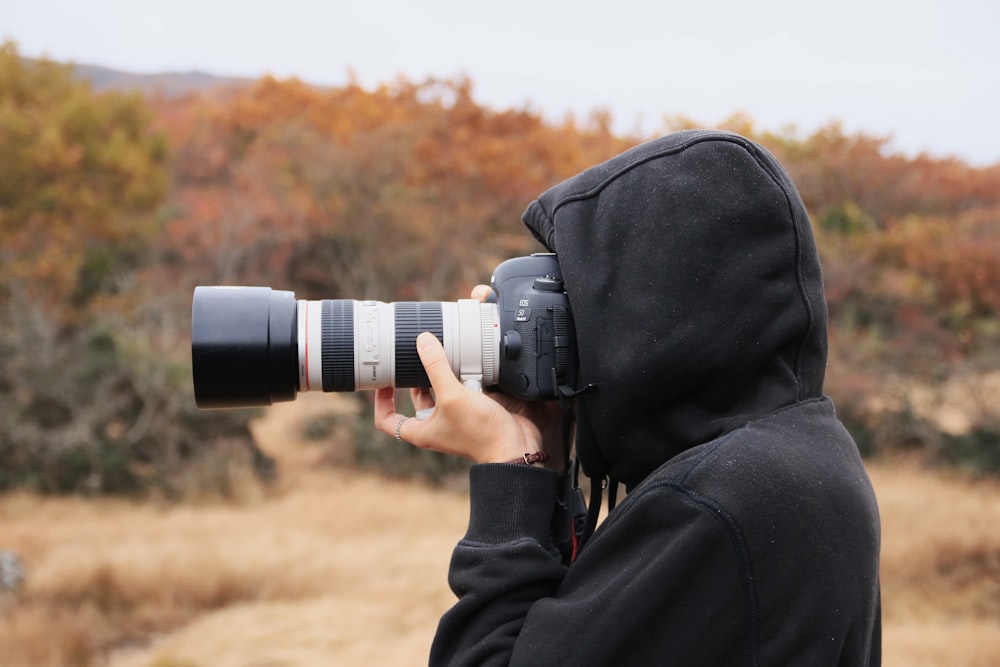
<point>336,568</point>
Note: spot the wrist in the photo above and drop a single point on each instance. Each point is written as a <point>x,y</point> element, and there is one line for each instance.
<point>507,448</point>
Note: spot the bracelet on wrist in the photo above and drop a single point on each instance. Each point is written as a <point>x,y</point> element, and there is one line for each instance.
<point>530,458</point>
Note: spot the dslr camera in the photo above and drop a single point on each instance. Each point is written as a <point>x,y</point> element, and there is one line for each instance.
<point>253,346</point>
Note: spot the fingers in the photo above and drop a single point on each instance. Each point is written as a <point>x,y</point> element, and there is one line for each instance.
<point>422,398</point>
<point>385,403</point>
<point>481,292</point>
<point>387,419</point>
<point>436,363</point>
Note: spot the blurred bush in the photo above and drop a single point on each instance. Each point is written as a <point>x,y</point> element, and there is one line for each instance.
<point>977,451</point>
<point>953,423</point>
<point>82,417</point>
<point>93,366</point>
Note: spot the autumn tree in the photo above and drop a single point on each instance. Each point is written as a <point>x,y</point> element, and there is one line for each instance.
<point>79,179</point>
<point>93,401</point>
<point>475,169</point>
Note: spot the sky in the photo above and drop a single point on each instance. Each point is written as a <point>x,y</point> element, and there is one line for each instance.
<point>924,73</point>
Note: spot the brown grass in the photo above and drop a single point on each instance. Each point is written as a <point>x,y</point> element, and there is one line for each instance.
<point>940,567</point>
<point>338,568</point>
<point>362,561</point>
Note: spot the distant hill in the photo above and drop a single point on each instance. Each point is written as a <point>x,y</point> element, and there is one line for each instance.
<point>166,84</point>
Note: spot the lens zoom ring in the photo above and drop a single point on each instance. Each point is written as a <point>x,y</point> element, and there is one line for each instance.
<point>338,345</point>
<point>412,318</point>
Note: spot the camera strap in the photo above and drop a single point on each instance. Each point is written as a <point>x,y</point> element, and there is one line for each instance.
<point>583,516</point>
<point>572,513</point>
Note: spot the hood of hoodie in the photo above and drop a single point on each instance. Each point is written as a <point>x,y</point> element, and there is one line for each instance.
<point>692,273</point>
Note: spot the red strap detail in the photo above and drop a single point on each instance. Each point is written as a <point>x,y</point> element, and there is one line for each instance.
<point>576,540</point>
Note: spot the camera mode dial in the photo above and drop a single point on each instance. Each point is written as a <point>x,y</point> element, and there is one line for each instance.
<point>548,284</point>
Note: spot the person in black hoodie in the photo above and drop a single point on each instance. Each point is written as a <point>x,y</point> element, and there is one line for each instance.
<point>750,532</point>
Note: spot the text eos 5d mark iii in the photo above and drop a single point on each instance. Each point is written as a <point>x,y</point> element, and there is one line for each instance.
<point>253,346</point>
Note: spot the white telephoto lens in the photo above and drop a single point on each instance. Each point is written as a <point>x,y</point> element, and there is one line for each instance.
<point>349,345</point>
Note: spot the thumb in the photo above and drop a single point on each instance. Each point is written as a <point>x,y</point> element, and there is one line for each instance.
<point>435,361</point>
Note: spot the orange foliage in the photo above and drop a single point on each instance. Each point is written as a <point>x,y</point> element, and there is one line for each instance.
<point>414,190</point>
<point>79,178</point>
<point>959,257</point>
<point>410,190</point>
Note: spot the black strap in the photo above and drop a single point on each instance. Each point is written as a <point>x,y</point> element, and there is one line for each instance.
<point>581,522</point>
<point>567,416</point>
<point>612,494</point>
<point>593,511</point>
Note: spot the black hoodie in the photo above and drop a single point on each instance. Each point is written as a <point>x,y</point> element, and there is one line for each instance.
<point>750,533</point>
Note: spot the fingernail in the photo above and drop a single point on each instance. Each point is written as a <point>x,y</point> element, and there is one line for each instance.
<point>425,340</point>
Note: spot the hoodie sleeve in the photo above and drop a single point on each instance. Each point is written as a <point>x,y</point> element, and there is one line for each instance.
<point>664,579</point>
<point>504,564</point>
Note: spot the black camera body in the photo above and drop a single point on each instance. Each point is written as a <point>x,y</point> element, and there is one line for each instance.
<point>252,346</point>
<point>537,347</point>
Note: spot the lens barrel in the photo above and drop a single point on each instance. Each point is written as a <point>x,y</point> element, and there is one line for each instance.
<point>254,346</point>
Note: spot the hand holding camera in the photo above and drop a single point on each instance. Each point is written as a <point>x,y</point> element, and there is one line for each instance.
<point>486,428</point>
<point>464,422</point>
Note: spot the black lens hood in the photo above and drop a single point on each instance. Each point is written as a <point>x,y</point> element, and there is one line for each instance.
<point>244,347</point>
